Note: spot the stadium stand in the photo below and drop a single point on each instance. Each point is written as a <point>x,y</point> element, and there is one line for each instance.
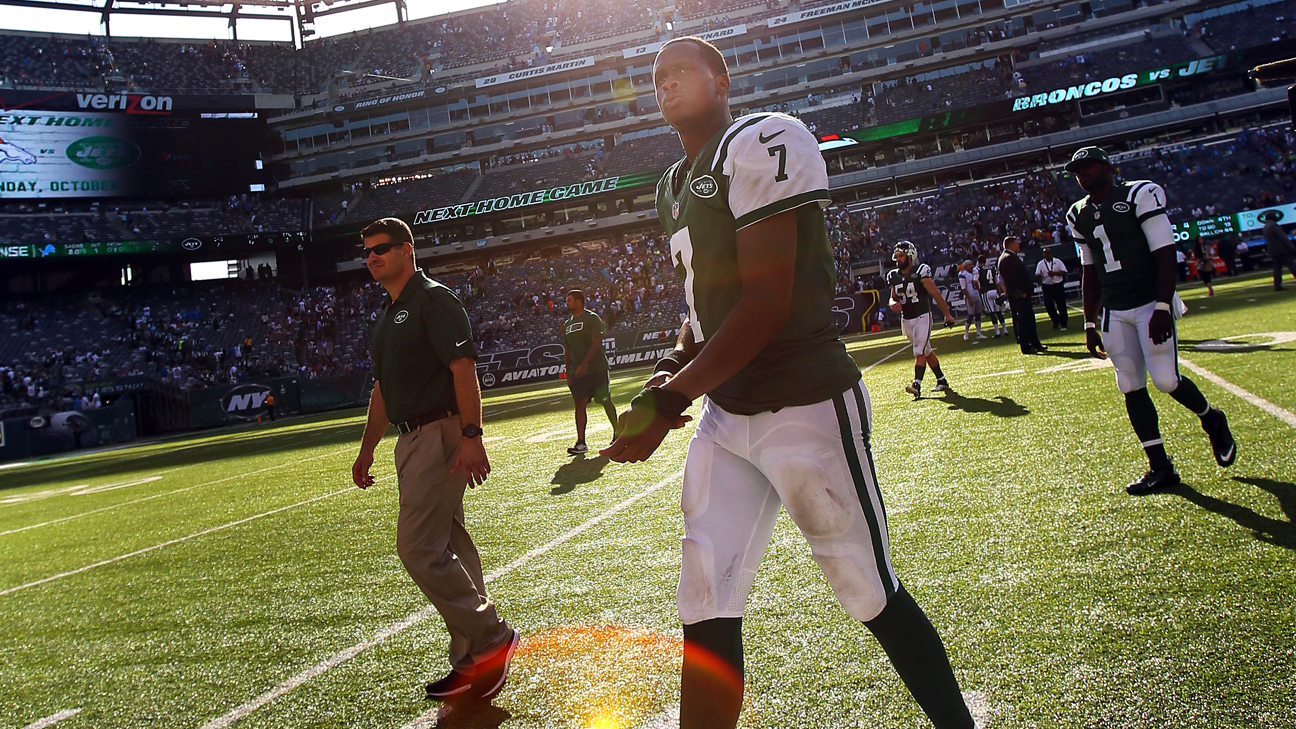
<point>195,334</point>
<point>67,221</point>
<point>1237,29</point>
<point>414,194</point>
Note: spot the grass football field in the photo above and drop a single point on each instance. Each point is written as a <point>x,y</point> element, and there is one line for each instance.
<point>238,579</point>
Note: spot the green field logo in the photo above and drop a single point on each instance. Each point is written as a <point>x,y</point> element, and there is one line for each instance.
<point>103,153</point>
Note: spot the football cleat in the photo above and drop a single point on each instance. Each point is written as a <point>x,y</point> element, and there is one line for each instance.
<point>982,336</point>
<point>915,388</point>
<point>1155,480</point>
<point>965,336</point>
<point>578,449</point>
<point>940,385</point>
<point>452,684</point>
<point>1221,438</point>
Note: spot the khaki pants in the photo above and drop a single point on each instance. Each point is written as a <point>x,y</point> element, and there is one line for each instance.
<point>434,545</point>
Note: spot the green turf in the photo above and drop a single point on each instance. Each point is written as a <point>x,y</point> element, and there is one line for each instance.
<point>1063,601</point>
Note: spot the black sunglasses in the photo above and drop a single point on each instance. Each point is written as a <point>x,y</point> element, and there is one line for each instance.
<point>381,249</point>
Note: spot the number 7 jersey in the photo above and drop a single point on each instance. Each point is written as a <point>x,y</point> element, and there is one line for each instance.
<point>757,167</point>
<point>1111,239</point>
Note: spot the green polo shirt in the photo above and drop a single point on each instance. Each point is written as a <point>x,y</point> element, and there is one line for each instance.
<point>579,334</point>
<point>415,338</point>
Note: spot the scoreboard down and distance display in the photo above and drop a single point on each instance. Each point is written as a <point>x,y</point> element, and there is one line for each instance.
<point>60,154</point>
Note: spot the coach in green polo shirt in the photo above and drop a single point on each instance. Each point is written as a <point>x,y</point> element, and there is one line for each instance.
<point>424,361</point>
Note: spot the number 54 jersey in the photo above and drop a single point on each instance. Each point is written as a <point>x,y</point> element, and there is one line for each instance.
<point>757,167</point>
<point>1111,238</point>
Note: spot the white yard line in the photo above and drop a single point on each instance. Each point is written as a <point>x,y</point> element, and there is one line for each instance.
<point>1284,415</point>
<point>347,654</point>
<point>173,491</point>
<point>996,374</point>
<point>905,348</point>
<point>170,542</point>
<point>53,719</point>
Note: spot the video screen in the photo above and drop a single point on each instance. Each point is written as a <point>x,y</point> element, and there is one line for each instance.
<point>58,154</point>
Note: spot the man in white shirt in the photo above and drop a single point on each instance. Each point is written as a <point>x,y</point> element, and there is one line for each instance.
<point>1052,275</point>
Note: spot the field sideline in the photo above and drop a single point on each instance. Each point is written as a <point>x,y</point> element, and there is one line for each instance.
<point>238,579</point>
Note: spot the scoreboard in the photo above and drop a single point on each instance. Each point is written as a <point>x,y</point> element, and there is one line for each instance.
<point>69,154</point>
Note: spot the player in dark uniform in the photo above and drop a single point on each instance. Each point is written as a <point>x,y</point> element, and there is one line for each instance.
<point>587,365</point>
<point>912,293</point>
<point>1127,256</point>
<point>785,420</point>
<point>987,282</point>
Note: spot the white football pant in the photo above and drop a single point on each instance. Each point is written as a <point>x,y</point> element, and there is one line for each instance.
<point>813,459</point>
<point>918,329</point>
<point>1125,336</point>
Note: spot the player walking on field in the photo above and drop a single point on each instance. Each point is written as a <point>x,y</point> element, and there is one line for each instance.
<point>587,365</point>
<point>1127,258</point>
<point>971,299</point>
<point>987,282</point>
<point>912,293</point>
<point>785,420</point>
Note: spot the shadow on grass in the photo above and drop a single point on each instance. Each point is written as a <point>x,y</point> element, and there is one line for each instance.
<point>1266,529</point>
<point>578,471</point>
<point>1062,349</point>
<point>470,715</point>
<point>999,406</point>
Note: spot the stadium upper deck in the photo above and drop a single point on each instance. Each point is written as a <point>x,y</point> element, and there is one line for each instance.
<point>902,81</point>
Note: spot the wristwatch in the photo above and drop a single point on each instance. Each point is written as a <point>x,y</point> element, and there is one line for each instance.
<point>472,431</point>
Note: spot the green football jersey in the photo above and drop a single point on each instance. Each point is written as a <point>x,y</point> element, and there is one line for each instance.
<point>909,291</point>
<point>1111,238</point>
<point>757,167</point>
<point>579,334</point>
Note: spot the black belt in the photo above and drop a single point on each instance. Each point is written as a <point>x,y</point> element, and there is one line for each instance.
<point>418,421</point>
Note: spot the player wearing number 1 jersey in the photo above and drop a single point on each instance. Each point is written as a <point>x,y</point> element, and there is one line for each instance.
<point>785,420</point>
<point>912,293</point>
<point>1128,266</point>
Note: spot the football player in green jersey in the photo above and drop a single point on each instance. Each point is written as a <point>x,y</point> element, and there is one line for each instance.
<point>587,365</point>
<point>785,420</point>
<point>912,294</point>
<point>1127,257</point>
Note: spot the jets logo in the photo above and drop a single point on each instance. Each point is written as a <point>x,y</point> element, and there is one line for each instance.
<point>705,186</point>
<point>1121,207</point>
<point>401,316</point>
<point>191,244</point>
<point>245,401</point>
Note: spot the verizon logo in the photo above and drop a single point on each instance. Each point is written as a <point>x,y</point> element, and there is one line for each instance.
<point>129,103</point>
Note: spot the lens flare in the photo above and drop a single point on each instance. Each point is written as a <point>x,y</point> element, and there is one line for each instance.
<point>598,677</point>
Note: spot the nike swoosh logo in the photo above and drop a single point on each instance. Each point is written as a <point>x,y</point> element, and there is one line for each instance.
<point>460,344</point>
<point>765,140</point>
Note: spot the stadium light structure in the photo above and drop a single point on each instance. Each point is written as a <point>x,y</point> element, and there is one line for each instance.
<point>309,10</point>
<point>231,10</point>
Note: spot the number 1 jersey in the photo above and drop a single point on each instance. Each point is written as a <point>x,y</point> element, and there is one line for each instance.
<point>1110,237</point>
<point>757,167</point>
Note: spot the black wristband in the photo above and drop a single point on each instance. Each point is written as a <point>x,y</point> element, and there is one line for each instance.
<point>671,364</point>
<point>669,404</point>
